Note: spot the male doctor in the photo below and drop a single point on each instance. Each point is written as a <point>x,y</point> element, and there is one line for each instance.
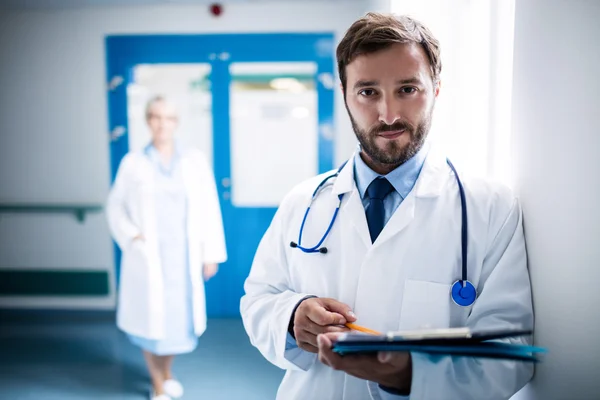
<point>394,250</point>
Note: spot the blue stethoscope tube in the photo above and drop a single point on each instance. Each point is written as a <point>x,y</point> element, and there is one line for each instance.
<point>317,248</point>
<point>463,292</point>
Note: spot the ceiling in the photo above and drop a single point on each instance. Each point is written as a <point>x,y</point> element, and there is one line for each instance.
<point>60,4</point>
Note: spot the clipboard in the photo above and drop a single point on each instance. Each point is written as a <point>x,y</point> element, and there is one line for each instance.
<point>455,342</point>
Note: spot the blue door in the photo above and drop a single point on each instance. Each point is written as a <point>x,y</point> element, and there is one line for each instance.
<point>259,105</point>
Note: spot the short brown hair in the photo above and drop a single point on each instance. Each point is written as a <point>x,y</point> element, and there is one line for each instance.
<point>375,32</point>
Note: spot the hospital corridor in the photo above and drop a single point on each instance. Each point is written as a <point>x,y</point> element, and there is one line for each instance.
<point>299,199</point>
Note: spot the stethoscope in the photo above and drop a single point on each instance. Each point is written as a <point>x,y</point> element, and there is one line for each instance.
<point>463,292</point>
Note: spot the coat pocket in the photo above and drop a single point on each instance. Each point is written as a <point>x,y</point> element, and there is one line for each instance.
<point>425,305</point>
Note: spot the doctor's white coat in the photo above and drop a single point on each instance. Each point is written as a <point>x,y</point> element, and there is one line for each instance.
<point>402,281</point>
<point>131,211</point>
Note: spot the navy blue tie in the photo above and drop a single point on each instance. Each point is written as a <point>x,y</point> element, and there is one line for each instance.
<point>377,191</point>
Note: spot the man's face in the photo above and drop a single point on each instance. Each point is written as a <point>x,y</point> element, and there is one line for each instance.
<point>390,97</point>
<point>162,121</point>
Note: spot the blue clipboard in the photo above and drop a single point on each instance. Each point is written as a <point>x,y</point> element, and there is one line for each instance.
<point>455,342</point>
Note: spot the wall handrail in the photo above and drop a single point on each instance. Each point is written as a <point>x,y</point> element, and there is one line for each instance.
<point>79,210</point>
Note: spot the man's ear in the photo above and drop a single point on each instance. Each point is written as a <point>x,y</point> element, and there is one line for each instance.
<point>343,91</point>
<point>437,88</point>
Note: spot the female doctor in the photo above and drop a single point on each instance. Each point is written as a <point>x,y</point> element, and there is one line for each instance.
<point>164,213</point>
<point>385,242</point>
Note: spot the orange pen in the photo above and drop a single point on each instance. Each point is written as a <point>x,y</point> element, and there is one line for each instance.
<point>362,329</point>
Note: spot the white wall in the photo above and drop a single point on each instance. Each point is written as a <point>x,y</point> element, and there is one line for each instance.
<point>472,112</point>
<point>382,6</point>
<point>557,149</point>
<point>53,116</point>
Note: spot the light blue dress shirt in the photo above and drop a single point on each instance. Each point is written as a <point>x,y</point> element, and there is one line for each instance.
<point>403,179</point>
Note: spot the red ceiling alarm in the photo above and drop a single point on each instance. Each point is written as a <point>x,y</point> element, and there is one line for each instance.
<point>216,9</point>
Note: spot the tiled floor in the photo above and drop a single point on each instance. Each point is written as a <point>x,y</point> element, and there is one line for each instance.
<point>67,358</point>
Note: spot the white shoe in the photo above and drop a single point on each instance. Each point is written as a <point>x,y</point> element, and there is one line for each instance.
<point>154,396</point>
<point>173,388</point>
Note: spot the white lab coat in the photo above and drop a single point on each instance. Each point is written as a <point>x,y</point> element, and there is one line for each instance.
<point>131,211</point>
<point>402,281</point>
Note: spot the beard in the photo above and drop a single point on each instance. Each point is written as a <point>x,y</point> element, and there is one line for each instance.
<point>392,153</point>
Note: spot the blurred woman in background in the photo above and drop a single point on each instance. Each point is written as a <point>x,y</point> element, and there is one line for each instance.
<point>164,213</point>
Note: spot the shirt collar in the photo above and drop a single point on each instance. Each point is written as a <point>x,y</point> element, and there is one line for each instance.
<point>403,178</point>
<point>153,155</point>
<point>151,151</point>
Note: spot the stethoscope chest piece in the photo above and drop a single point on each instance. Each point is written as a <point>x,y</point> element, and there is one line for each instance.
<point>463,294</point>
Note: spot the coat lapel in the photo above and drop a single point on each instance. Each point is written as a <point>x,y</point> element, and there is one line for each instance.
<point>352,207</point>
<point>431,181</point>
<point>430,184</point>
